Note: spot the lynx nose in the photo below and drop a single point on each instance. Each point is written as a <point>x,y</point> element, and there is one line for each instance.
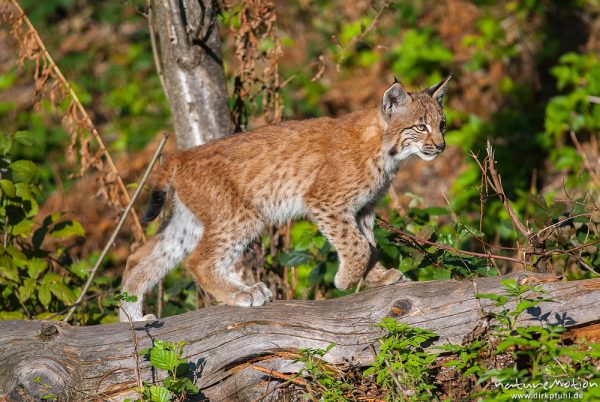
<point>440,147</point>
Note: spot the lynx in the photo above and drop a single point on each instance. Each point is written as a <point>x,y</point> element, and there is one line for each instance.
<point>332,171</point>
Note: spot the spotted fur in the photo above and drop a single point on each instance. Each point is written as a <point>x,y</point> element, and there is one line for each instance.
<point>332,171</point>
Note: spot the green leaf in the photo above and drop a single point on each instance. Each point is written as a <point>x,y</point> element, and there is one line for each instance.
<point>15,214</point>
<point>5,143</point>
<point>163,359</point>
<point>35,267</point>
<point>16,253</point>
<point>317,274</point>
<point>159,394</point>
<point>499,299</point>
<point>12,315</point>
<point>24,190</point>
<point>509,284</point>
<point>62,293</point>
<point>294,258</point>
<point>125,297</point>
<point>67,229</point>
<point>44,295</point>
<point>23,227</point>
<point>8,188</point>
<point>24,138</point>
<point>8,269</point>
<point>23,171</point>
<point>26,290</point>
<point>436,211</point>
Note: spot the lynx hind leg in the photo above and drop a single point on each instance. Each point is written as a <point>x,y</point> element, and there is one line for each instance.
<point>148,265</point>
<point>216,253</point>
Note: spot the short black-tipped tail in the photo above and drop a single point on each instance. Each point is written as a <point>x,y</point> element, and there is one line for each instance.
<point>158,197</point>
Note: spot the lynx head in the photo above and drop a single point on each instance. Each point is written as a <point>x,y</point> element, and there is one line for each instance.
<point>415,121</point>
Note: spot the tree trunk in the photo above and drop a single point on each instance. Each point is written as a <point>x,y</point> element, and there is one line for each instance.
<point>224,343</point>
<point>187,50</point>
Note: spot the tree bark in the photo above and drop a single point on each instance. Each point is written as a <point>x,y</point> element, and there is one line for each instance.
<point>187,51</point>
<point>224,343</point>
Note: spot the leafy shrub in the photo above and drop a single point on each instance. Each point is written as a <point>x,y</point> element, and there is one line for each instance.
<point>177,385</point>
<point>34,282</point>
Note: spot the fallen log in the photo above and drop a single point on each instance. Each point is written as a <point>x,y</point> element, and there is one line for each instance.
<point>242,353</point>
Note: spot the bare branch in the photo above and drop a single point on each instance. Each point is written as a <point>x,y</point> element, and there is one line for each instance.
<point>113,236</point>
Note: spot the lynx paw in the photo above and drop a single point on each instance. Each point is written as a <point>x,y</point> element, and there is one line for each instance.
<point>255,295</point>
<point>149,317</point>
<point>344,282</point>
<point>379,276</point>
<point>130,311</point>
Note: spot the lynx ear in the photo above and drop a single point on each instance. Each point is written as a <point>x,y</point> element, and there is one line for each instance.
<point>394,98</point>
<point>438,91</point>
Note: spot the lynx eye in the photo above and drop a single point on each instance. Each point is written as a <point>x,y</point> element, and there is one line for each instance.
<point>421,127</point>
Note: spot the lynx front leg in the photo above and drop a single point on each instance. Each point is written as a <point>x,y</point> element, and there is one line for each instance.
<point>147,266</point>
<point>378,275</point>
<point>355,253</point>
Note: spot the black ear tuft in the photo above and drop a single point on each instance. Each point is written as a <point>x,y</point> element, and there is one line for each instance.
<point>438,91</point>
<point>393,99</point>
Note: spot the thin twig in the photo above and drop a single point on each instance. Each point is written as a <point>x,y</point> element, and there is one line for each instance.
<point>113,236</point>
<point>563,221</point>
<point>136,355</point>
<point>500,190</point>
<point>85,299</point>
<point>586,162</point>
<point>84,114</point>
<point>277,374</point>
<point>583,263</point>
<point>400,389</point>
<point>161,284</point>
<point>358,38</point>
<point>155,48</point>
<point>415,241</point>
<point>570,250</point>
